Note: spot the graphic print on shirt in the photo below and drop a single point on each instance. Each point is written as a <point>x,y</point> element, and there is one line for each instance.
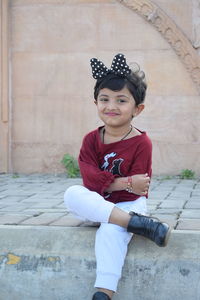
<point>106,158</point>
<point>114,166</point>
<point>115,170</point>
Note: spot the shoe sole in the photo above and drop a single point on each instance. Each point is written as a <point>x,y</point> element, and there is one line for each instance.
<point>167,236</point>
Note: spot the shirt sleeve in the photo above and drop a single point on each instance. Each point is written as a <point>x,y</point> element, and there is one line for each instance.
<point>142,162</point>
<point>93,177</point>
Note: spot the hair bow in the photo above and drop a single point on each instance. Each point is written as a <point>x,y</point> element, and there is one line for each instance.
<point>118,67</point>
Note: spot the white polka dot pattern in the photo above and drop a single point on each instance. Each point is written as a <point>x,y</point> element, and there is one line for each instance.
<point>118,67</point>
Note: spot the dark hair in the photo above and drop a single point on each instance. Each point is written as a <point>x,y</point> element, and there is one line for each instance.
<point>134,83</point>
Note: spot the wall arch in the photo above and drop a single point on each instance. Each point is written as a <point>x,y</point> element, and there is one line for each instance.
<point>170,31</point>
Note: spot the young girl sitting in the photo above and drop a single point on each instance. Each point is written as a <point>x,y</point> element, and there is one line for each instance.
<point>115,164</point>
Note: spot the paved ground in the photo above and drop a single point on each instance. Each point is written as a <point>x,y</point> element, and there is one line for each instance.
<point>38,200</point>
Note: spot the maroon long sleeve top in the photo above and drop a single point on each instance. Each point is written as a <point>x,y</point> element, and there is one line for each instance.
<point>101,163</point>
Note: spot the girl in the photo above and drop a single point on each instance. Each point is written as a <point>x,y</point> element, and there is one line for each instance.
<point>115,164</point>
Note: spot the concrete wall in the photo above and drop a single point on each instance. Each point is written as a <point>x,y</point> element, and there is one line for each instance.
<point>38,264</point>
<point>51,88</point>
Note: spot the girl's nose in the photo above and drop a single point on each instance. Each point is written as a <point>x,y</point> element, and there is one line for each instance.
<point>111,105</point>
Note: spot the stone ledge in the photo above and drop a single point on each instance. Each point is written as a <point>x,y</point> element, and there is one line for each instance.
<point>59,263</point>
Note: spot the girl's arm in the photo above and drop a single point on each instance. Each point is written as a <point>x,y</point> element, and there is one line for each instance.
<point>93,177</point>
<point>140,171</point>
<point>140,184</point>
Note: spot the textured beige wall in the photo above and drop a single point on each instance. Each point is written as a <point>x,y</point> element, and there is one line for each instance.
<point>186,14</point>
<point>52,88</point>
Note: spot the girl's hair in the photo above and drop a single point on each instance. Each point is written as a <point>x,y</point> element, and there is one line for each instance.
<point>134,82</point>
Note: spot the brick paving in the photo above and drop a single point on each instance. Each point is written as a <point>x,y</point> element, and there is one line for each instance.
<point>38,200</point>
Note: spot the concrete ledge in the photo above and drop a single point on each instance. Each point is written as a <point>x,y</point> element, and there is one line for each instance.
<point>54,263</point>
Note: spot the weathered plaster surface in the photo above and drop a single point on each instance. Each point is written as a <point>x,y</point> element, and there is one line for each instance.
<point>52,87</point>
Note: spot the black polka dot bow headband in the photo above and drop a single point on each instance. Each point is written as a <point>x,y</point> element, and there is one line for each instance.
<point>118,67</point>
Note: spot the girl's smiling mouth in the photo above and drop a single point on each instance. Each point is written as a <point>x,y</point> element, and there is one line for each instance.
<point>111,114</point>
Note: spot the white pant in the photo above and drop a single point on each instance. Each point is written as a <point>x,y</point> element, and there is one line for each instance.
<point>111,240</point>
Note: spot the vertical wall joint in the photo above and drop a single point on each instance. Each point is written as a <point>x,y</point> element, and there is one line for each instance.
<point>4,60</point>
<point>4,87</point>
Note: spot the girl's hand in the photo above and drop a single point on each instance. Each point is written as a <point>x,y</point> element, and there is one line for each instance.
<point>140,184</point>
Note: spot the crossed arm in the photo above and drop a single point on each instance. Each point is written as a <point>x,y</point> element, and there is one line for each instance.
<point>140,184</point>
<point>103,181</point>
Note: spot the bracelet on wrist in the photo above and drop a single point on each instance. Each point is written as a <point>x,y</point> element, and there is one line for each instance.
<point>129,187</point>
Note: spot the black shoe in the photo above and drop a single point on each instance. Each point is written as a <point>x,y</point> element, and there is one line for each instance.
<point>150,228</point>
<point>100,296</point>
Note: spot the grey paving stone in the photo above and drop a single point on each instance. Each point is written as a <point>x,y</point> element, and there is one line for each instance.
<point>181,188</point>
<point>196,194</point>
<point>10,185</point>
<point>45,204</point>
<point>164,186</point>
<point>16,198</point>
<point>170,211</point>
<point>43,219</point>
<point>19,213</point>
<point>151,207</point>
<point>188,224</point>
<point>194,200</point>
<point>13,219</point>
<point>153,201</point>
<point>73,181</point>
<point>173,197</point>
<point>16,192</point>
<point>170,181</point>
<point>33,212</point>
<point>180,194</point>
<point>33,200</point>
<point>190,214</point>
<point>11,200</point>
<point>187,182</point>
<point>40,200</point>
<point>158,195</point>
<point>16,207</point>
<point>192,204</point>
<point>46,210</point>
<point>2,206</point>
<point>8,205</point>
<point>166,198</point>
<point>68,220</point>
<point>45,195</point>
<point>62,205</point>
<point>35,189</point>
<point>172,204</point>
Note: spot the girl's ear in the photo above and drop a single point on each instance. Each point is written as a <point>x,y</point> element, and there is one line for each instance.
<point>139,109</point>
<point>95,102</point>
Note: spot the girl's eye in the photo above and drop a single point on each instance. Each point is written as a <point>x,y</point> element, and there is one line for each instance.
<point>121,101</point>
<point>103,99</point>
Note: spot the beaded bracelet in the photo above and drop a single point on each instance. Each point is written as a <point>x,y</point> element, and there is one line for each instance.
<point>129,188</point>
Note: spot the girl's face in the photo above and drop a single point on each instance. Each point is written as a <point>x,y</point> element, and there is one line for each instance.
<point>117,108</point>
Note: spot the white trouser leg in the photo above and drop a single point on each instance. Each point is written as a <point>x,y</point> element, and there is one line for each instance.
<point>87,205</point>
<point>111,247</point>
<point>111,240</point>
